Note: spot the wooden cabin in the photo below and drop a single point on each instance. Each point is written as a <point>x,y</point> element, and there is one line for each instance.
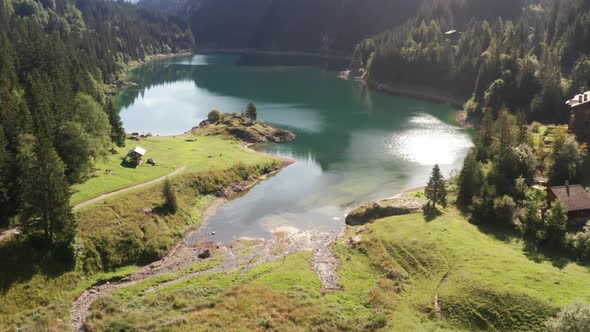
<point>575,199</point>
<point>579,123</point>
<point>135,155</point>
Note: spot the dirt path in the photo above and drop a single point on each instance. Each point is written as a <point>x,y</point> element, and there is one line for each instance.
<point>141,185</point>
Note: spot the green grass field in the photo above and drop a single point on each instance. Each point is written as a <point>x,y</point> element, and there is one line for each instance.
<point>170,153</point>
<point>482,282</point>
<point>36,292</point>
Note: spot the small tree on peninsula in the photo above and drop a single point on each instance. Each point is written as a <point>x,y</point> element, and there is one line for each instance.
<point>170,196</point>
<point>435,191</point>
<point>214,116</point>
<point>251,112</point>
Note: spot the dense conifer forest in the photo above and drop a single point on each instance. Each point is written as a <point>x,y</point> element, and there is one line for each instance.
<point>57,60</point>
<point>526,56</point>
<point>329,26</point>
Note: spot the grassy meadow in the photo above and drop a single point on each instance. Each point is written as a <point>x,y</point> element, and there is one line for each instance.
<point>483,280</point>
<point>198,153</point>
<point>115,235</point>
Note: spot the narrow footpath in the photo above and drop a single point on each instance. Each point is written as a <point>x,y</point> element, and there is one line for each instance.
<point>7,233</point>
<point>141,185</point>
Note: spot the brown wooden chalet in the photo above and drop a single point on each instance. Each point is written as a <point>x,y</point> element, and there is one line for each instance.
<point>575,199</point>
<point>579,123</point>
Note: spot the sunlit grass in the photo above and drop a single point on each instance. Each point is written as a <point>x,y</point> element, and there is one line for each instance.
<point>170,153</point>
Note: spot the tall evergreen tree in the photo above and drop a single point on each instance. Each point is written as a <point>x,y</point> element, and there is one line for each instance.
<point>251,112</point>
<point>470,180</point>
<point>555,224</point>
<point>49,215</point>
<point>436,190</point>
<point>4,179</point>
<point>117,131</point>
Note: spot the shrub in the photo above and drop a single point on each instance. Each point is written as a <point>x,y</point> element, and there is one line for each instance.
<point>572,318</point>
<point>214,116</point>
<point>579,244</point>
<point>504,208</point>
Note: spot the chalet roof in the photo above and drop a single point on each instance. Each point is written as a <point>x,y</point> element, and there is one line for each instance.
<point>573,197</point>
<point>582,98</point>
<point>138,150</point>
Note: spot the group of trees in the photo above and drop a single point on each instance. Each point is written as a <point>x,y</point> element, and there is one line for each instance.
<point>524,55</point>
<point>496,181</point>
<point>56,117</point>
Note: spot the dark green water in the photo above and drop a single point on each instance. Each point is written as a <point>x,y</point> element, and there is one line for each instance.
<point>353,144</point>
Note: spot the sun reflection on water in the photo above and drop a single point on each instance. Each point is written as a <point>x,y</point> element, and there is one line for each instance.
<point>429,142</point>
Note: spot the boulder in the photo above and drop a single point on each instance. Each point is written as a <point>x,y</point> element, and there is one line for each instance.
<point>205,254</point>
<point>374,211</point>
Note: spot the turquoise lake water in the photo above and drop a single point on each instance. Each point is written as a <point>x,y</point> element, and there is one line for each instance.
<point>353,144</point>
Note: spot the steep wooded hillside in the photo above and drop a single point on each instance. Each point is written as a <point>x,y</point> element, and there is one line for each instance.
<point>56,58</point>
<point>529,59</point>
<point>333,26</point>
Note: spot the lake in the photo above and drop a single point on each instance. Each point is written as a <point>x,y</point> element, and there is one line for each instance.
<point>353,144</point>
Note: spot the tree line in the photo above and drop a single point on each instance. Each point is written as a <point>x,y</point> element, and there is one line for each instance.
<point>329,26</point>
<point>57,58</point>
<point>526,56</point>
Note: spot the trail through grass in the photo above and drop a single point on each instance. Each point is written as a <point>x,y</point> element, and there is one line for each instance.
<point>197,153</point>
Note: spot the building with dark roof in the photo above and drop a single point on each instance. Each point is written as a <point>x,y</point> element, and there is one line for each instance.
<point>579,123</point>
<point>574,198</point>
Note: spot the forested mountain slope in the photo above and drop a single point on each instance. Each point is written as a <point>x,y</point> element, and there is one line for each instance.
<point>55,114</point>
<point>527,61</point>
<point>333,26</point>
<point>170,6</point>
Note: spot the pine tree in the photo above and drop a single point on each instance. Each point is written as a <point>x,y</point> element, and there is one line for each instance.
<point>26,162</point>
<point>436,190</point>
<point>555,224</point>
<point>117,131</point>
<point>4,179</point>
<point>170,196</point>
<point>251,112</point>
<point>47,201</point>
<point>470,180</point>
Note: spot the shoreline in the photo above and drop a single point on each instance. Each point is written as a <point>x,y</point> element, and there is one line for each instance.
<point>418,92</point>
<point>250,51</point>
<point>413,91</point>
<point>218,202</point>
<point>429,94</point>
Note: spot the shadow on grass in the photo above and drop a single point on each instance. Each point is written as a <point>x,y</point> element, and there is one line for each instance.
<point>533,251</point>
<point>163,210</point>
<point>539,254</point>
<point>20,260</point>
<point>502,232</point>
<point>431,213</point>
<point>128,164</point>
